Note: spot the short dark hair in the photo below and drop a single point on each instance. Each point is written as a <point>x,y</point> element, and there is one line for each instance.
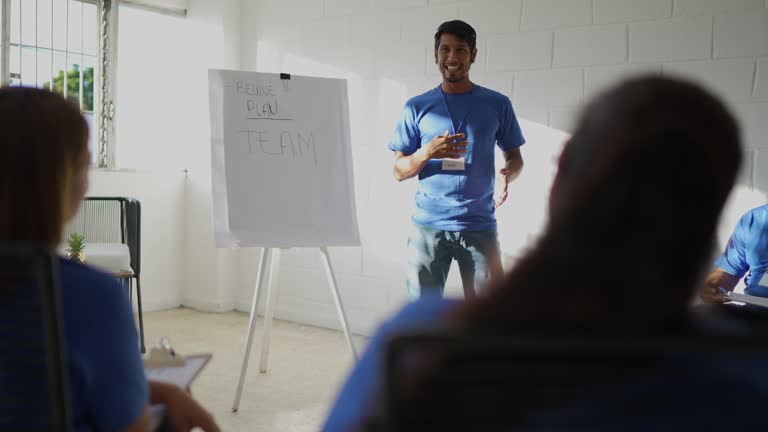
<point>457,28</point>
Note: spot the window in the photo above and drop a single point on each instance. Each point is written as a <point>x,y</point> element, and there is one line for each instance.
<point>69,46</point>
<point>62,45</point>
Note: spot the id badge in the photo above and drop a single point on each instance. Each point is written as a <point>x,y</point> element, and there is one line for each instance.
<point>454,164</point>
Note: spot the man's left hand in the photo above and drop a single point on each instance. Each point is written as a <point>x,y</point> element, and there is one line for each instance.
<point>502,183</point>
<point>512,169</point>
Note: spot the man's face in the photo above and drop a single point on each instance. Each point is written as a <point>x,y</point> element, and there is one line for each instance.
<point>454,58</point>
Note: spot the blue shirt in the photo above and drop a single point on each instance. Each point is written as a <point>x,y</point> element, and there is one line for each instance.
<point>739,375</point>
<point>747,251</point>
<point>360,395</point>
<point>108,387</point>
<point>458,200</point>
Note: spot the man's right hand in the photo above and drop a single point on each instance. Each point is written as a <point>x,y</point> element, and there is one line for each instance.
<point>712,294</point>
<point>716,284</point>
<point>446,146</point>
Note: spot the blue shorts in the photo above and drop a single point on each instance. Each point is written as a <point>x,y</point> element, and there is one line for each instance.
<point>431,251</point>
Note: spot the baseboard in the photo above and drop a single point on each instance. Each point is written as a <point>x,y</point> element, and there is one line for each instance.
<point>207,305</point>
<point>245,306</point>
<point>158,304</point>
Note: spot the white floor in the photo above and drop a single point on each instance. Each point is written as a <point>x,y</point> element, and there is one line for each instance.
<point>306,367</point>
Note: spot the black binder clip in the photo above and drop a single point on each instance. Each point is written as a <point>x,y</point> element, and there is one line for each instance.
<point>285,77</point>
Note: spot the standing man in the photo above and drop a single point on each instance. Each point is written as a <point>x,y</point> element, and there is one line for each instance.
<point>446,137</point>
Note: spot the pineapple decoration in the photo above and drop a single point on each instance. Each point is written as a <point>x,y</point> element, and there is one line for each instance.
<point>76,251</point>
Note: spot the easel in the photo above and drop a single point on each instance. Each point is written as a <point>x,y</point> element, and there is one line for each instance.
<point>274,253</point>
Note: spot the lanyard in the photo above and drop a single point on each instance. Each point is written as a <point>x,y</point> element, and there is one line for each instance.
<point>450,116</point>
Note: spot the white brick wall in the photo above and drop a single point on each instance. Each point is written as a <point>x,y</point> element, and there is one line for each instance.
<point>741,34</point>
<point>552,14</point>
<point>611,11</point>
<point>663,40</point>
<point>419,24</point>
<point>553,87</point>
<point>597,78</point>
<point>347,7</point>
<point>714,7</point>
<point>525,50</point>
<point>495,16</point>
<point>591,45</point>
<point>732,79</point>
<point>549,56</point>
<point>761,175</point>
<point>761,81</point>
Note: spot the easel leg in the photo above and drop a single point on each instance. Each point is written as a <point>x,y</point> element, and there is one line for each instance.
<point>270,309</point>
<point>337,299</point>
<point>251,325</point>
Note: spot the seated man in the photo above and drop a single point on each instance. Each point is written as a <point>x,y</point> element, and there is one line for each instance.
<point>745,254</point>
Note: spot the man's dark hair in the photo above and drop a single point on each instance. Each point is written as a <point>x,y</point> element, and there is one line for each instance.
<point>457,28</point>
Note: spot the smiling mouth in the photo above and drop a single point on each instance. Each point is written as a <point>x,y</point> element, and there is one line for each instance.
<point>452,68</point>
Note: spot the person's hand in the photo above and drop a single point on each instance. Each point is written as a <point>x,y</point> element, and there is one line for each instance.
<point>502,184</point>
<point>712,293</point>
<point>183,412</point>
<point>716,285</point>
<point>446,146</point>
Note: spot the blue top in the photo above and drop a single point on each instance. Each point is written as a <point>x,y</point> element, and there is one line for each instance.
<point>738,376</point>
<point>364,387</point>
<point>747,251</point>
<point>458,200</point>
<point>107,384</point>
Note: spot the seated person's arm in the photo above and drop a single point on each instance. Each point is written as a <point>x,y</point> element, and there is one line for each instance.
<point>719,278</point>
<point>731,265</point>
<point>142,424</point>
<point>183,412</point>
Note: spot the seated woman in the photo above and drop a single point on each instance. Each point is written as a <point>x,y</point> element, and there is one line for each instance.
<point>632,220</point>
<point>43,147</point>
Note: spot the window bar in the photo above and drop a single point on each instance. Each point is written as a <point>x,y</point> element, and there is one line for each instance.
<point>82,43</point>
<point>21,43</point>
<point>5,43</point>
<point>37,46</point>
<point>53,9</point>
<point>106,105</point>
<point>66,54</point>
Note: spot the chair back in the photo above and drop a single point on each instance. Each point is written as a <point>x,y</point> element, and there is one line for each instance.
<point>33,368</point>
<point>110,220</point>
<point>473,381</point>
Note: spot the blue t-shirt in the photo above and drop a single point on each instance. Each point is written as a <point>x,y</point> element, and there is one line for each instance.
<point>739,375</point>
<point>458,200</point>
<point>107,383</point>
<point>365,385</point>
<point>747,251</point>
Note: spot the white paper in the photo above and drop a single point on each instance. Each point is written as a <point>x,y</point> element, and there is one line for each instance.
<point>744,298</point>
<point>181,376</point>
<point>281,161</point>
<point>764,280</point>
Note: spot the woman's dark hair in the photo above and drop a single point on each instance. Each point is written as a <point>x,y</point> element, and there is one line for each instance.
<point>457,28</point>
<point>633,212</point>
<point>43,142</point>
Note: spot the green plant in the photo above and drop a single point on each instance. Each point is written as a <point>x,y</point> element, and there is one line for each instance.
<point>76,244</point>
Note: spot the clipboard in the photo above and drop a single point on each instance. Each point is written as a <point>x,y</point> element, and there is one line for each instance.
<point>180,375</point>
<point>748,299</point>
